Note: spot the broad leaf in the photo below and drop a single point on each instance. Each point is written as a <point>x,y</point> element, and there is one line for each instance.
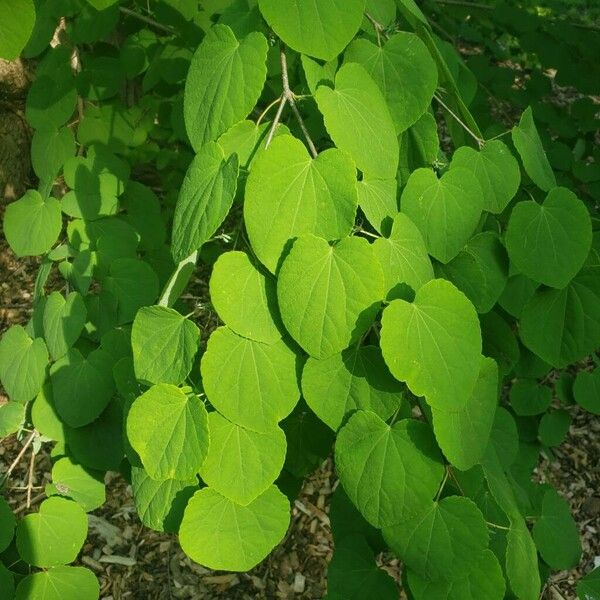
<point>403,257</point>
<point>50,149</point>
<point>241,464</point>
<point>329,294</point>
<point>446,210</point>
<point>205,197</point>
<point>164,344</point>
<point>496,170</point>
<point>290,194</point>
<point>377,199</point>
<point>443,540</point>
<point>434,344</point>
<point>319,28</point>
<point>463,434</point>
<point>64,319</point>
<point>220,534</point>
<point>59,583</point>
<point>54,535</point>
<point>31,224</point>
<point>586,390</point>
<point>359,121</point>
<point>23,363</point>
<point>252,384</point>
<point>550,242</point>
<point>223,84</point>
<point>82,386</point>
<point>169,431</point>
<point>7,524</point>
<point>527,142</point>
<point>84,486</point>
<point>12,417</point>
<point>355,379</point>
<point>17,24</point>
<point>387,472</point>
<point>405,72</point>
<point>521,562</point>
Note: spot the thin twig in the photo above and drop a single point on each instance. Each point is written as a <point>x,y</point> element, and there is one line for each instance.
<point>479,140</point>
<point>30,476</point>
<point>20,455</point>
<point>443,484</point>
<point>147,20</point>
<point>377,26</point>
<point>34,500</point>
<point>276,120</point>
<point>264,112</point>
<point>496,526</point>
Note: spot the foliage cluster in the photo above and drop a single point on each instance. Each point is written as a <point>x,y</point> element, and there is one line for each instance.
<point>411,302</point>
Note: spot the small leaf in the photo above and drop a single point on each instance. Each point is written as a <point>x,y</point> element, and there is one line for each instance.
<point>223,535</point>
<point>74,481</point>
<point>223,84</point>
<point>443,540</point>
<point>588,587</point>
<point>241,464</point>
<point>329,294</point>
<point>169,431</point>
<point>355,379</point>
<point>387,472</point>
<point>445,210</point>
<point>7,524</point>
<point>23,364</point>
<point>434,344</point>
<point>550,242</point>
<point>290,194</point>
<point>554,427</point>
<point>50,149</point>
<point>252,384</point>
<point>496,170</point>
<point>32,225</point>
<point>82,386</point>
<point>586,390</point>
<point>527,142</point>
<point>521,562</point>
<point>319,28</point>
<point>64,319</point>
<point>359,121</point>
<point>12,416</point>
<point>54,535</point>
<point>164,344</point>
<point>205,197</point>
<point>59,583</point>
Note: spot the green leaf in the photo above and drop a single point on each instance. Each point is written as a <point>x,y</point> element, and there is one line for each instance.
<point>59,583</point>
<point>169,431</point>
<point>354,575</point>
<point>529,146</point>
<point>64,319</point>
<point>550,242</point>
<point>17,24</point>
<point>54,535</point>
<point>479,270</point>
<point>50,149</point>
<point>223,84</point>
<point>563,326</point>
<point>7,582</point>
<point>246,140</point>
<point>521,562</point>
<point>387,472</point>
<point>160,504</point>
<point>528,397</point>
<point>555,533</point>
<point>164,344</point>
<point>12,416</point>
<point>404,71</point>
<point>78,483</point>
<point>144,215</point>
<point>377,199</point>
<point>443,540</point>
<point>205,197</point>
<point>463,434</point>
<point>586,390</point>
<point>517,292</point>
<point>252,384</point>
<point>23,363</point>
<point>223,535</point>
<point>319,28</point>
<point>290,194</point>
<point>483,580</point>
<point>44,416</point>
<point>82,386</point>
<point>434,344</point>
<point>588,587</point>
<point>419,146</point>
<point>403,257</point>
<point>359,121</point>
<point>496,170</point>
<point>446,210</point>
<point>355,379</point>
<point>7,524</point>
<point>133,283</point>
<point>245,297</point>
<point>32,225</point>
<point>329,294</point>
<point>241,464</point>
<point>316,73</point>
